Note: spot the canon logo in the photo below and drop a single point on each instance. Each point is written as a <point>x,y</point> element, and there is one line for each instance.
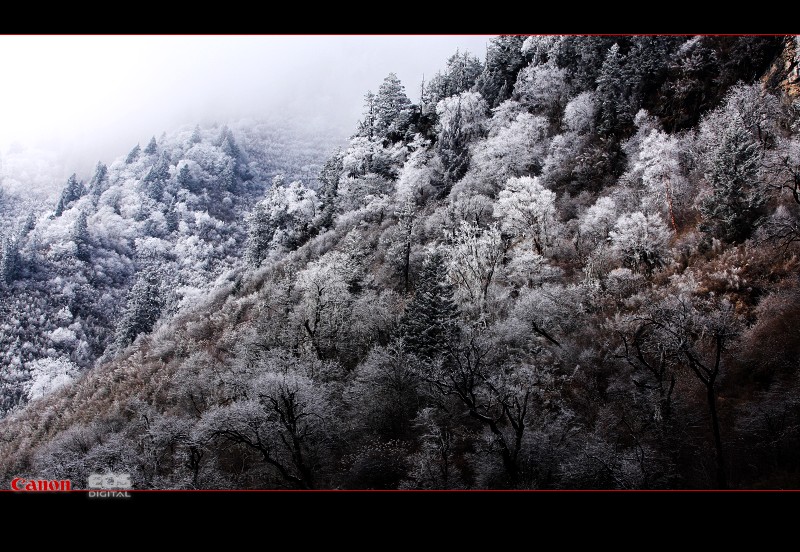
<point>40,485</point>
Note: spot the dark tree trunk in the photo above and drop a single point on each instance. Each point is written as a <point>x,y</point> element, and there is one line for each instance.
<point>722,480</point>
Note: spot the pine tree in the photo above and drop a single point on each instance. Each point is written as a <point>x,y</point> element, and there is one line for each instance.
<point>72,192</point>
<point>462,72</point>
<point>366,127</point>
<point>612,98</point>
<point>196,137</point>
<point>28,225</point>
<point>133,155</point>
<point>152,146</point>
<point>504,60</point>
<point>227,178</point>
<point>429,324</point>
<point>453,151</point>
<point>185,177</point>
<point>329,188</point>
<point>144,306</point>
<point>227,143</point>
<point>260,231</point>
<point>9,261</point>
<point>734,208</point>
<point>391,107</point>
<point>80,235</point>
<point>157,177</point>
<point>172,218</point>
<point>100,176</point>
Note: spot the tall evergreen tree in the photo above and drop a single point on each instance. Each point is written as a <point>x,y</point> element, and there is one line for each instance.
<point>504,60</point>
<point>329,188</point>
<point>28,225</point>
<point>366,127</point>
<point>227,143</point>
<point>80,235</point>
<point>185,177</point>
<point>453,151</point>
<point>613,112</point>
<point>145,302</point>
<point>133,155</point>
<point>733,209</point>
<point>99,178</point>
<point>430,322</point>
<point>152,146</point>
<point>72,192</point>
<point>172,218</point>
<point>260,231</point>
<point>391,108</point>
<point>196,137</point>
<point>156,179</point>
<point>461,73</point>
<point>9,261</point>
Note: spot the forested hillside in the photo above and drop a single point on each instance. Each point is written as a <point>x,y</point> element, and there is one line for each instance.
<point>136,241</point>
<point>573,264</point>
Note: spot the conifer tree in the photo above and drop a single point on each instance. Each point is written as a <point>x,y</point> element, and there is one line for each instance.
<point>9,261</point>
<point>143,308</point>
<point>733,209</point>
<point>99,178</point>
<point>152,146</point>
<point>80,235</point>
<point>429,324</point>
<point>72,191</point>
<point>133,155</point>
<point>329,188</point>
<point>196,137</point>
<point>391,103</point>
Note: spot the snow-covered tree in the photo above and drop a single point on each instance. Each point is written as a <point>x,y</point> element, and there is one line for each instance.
<point>733,208</point>
<point>80,235</point>
<point>527,209</point>
<point>283,219</point>
<point>598,221</point>
<point>282,416</point>
<point>133,155</point>
<point>580,113</point>
<point>461,120</point>
<point>666,186</point>
<point>391,108</point>
<point>475,258</point>
<point>612,93</point>
<point>328,191</point>
<point>518,149</point>
<point>461,72</point>
<point>144,305</point>
<point>72,192</point>
<point>503,61</point>
<point>543,89</point>
<point>99,180</point>
<point>9,260</point>
<point>641,241</point>
<point>152,146</point>
<point>49,374</point>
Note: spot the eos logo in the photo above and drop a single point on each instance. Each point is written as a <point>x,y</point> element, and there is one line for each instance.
<point>109,481</point>
<point>40,485</point>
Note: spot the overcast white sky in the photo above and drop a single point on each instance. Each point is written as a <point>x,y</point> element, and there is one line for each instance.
<point>96,96</point>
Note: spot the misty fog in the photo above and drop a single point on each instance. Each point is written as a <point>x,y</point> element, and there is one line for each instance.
<point>69,101</point>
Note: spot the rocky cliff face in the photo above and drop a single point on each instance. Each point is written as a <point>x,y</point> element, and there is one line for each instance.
<point>785,71</point>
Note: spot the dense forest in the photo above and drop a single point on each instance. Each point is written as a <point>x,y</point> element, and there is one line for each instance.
<point>572,264</point>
